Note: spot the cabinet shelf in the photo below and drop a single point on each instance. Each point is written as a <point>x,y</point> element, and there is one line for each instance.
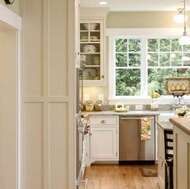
<point>92,66</point>
<point>90,30</point>
<point>90,53</point>
<point>90,42</point>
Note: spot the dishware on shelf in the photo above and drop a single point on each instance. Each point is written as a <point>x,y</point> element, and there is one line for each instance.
<point>96,78</point>
<point>94,38</point>
<point>89,73</point>
<point>92,26</point>
<point>89,48</point>
<point>84,38</point>
<point>83,58</point>
<point>97,60</point>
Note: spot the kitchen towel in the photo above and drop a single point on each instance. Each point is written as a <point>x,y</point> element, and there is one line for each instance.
<point>145,128</point>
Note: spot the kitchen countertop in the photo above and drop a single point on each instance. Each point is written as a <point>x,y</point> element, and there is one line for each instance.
<point>120,113</point>
<point>165,125</point>
<point>182,123</point>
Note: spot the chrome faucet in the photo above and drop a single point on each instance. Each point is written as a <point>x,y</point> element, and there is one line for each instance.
<point>179,103</point>
<point>180,98</point>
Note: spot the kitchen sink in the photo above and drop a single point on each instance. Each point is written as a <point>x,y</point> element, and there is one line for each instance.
<point>165,116</point>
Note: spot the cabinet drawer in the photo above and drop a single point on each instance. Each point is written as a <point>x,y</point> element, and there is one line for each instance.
<point>102,120</point>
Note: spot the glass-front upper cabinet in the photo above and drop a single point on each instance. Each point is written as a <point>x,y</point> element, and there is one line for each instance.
<point>91,52</point>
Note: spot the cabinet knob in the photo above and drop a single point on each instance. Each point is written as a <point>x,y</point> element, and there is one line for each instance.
<point>103,76</point>
<point>90,134</point>
<point>103,121</point>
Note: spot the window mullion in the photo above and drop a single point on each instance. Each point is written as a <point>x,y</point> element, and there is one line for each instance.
<point>144,67</point>
<point>112,67</point>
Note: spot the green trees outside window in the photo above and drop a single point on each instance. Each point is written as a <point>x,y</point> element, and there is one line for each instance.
<point>165,58</point>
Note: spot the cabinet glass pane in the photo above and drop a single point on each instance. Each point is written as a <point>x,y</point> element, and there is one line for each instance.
<point>91,59</point>
<point>90,73</point>
<point>90,48</point>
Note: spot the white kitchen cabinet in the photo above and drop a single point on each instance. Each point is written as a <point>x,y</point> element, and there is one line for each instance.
<point>103,143</point>
<point>92,47</point>
<point>161,158</point>
<point>92,51</point>
<point>165,154</point>
<point>181,159</point>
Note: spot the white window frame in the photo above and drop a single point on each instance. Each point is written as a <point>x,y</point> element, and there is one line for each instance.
<point>140,33</point>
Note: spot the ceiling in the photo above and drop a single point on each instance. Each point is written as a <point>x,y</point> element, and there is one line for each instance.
<point>138,5</point>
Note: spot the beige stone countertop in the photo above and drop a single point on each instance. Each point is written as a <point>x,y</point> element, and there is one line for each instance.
<point>166,125</point>
<point>120,113</point>
<point>182,123</point>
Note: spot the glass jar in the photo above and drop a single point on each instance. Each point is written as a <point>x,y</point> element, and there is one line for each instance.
<point>89,105</point>
<point>98,105</point>
<point>154,105</point>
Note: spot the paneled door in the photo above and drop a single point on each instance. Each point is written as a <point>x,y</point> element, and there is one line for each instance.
<point>48,95</point>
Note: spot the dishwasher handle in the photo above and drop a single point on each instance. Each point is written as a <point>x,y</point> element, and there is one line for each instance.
<point>135,118</point>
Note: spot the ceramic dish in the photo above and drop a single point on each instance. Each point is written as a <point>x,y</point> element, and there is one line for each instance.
<point>89,72</point>
<point>94,38</point>
<point>92,26</point>
<point>89,48</point>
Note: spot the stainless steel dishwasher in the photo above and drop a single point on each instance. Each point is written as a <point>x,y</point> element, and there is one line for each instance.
<point>133,150</point>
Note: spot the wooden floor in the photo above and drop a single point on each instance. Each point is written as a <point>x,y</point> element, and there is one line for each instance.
<point>118,177</point>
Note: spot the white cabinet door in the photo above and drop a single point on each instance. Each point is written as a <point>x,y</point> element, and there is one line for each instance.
<point>92,52</point>
<point>93,45</point>
<point>103,143</point>
<point>181,159</point>
<point>161,157</point>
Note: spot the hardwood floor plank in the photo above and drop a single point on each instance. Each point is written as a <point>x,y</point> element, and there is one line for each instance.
<point>118,177</point>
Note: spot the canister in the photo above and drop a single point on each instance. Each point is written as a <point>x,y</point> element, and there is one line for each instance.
<point>98,105</point>
<point>89,105</point>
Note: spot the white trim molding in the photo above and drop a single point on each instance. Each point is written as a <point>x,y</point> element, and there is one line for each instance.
<point>91,13</point>
<point>10,18</point>
<point>145,32</point>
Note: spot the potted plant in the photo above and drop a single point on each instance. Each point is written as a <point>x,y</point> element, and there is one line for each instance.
<point>184,111</point>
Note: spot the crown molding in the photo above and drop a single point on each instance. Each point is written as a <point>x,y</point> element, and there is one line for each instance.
<point>89,13</point>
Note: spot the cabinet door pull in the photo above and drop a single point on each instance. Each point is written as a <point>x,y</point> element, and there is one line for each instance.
<point>90,134</point>
<point>103,121</point>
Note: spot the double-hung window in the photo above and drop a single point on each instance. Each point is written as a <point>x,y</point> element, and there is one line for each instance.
<point>166,59</point>
<point>127,67</point>
<point>140,65</point>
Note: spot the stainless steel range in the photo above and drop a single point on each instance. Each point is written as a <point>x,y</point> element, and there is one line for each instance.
<point>82,130</point>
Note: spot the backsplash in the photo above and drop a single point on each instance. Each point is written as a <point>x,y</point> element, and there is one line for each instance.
<point>165,107</point>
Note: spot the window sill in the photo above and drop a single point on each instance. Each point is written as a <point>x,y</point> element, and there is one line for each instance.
<point>146,100</point>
